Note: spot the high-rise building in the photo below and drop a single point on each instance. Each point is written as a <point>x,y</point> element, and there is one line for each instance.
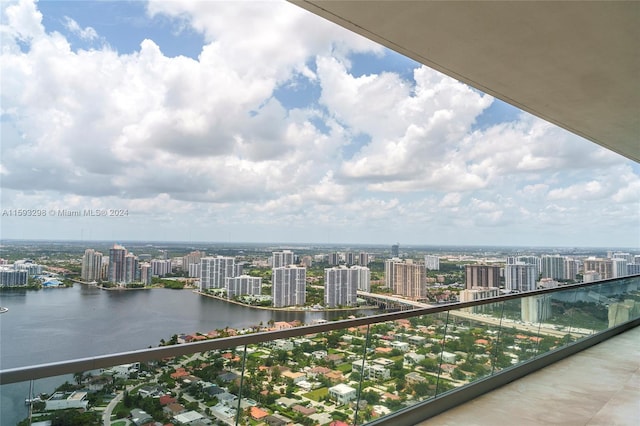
<point>160,267</point>
<point>520,277</point>
<point>13,278</point>
<point>350,258</point>
<point>145,273</point>
<point>192,258</point>
<point>552,267</point>
<point>283,258</point>
<point>603,267</point>
<point>342,283</point>
<point>243,284</point>
<point>91,266</point>
<point>570,269</point>
<point>395,250</point>
<point>482,276</point>
<point>363,259</point>
<point>214,270</point>
<point>619,267</point>
<point>626,256</point>
<point>334,259</point>
<point>131,271</point>
<point>406,278</point>
<point>289,286</point>
<point>432,263</point>
<point>194,270</point>
<point>116,272</point>
<point>633,268</point>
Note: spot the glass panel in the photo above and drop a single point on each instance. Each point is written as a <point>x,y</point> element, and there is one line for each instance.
<point>622,301</point>
<point>353,375</point>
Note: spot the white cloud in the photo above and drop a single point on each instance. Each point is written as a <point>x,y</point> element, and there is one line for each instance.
<point>87,33</point>
<point>206,140</point>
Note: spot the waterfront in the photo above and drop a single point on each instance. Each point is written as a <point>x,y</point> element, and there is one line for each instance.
<point>82,321</point>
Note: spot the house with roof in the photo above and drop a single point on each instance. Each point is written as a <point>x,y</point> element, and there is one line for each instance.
<point>173,409</point>
<point>63,401</point>
<point>277,420</point>
<point>296,377</point>
<point>342,393</point>
<point>306,411</point>
<point>413,358</point>
<point>258,413</point>
<point>414,377</point>
<point>228,376</point>
<point>140,417</point>
<point>191,418</point>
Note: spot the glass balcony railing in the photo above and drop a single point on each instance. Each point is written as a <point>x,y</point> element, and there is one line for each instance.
<point>353,371</point>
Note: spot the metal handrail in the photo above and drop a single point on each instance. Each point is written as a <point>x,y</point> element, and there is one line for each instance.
<point>33,372</point>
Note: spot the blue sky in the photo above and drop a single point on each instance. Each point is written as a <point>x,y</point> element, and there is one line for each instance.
<point>259,122</point>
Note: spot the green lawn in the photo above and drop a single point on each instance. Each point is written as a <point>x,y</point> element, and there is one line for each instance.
<point>344,368</point>
<point>317,394</point>
<point>119,423</point>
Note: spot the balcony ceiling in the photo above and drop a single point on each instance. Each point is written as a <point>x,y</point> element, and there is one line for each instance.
<point>573,63</point>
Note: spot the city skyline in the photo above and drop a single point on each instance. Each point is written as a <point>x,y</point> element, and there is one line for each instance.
<point>203,131</point>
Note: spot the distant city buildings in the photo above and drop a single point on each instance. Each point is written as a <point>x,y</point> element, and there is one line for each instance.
<point>288,286</point>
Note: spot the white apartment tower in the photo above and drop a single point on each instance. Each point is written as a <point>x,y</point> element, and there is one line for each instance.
<point>520,277</point>
<point>192,258</point>
<point>91,266</point>
<point>289,286</point>
<point>243,284</point>
<point>214,270</point>
<point>160,267</point>
<point>283,258</point>
<point>553,267</point>
<point>570,269</point>
<point>432,263</point>
<point>619,267</point>
<point>341,285</point>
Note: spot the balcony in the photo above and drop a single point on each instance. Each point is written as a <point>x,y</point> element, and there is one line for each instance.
<point>397,368</point>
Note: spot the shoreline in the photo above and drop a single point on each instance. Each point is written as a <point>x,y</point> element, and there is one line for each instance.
<point>287,309</point>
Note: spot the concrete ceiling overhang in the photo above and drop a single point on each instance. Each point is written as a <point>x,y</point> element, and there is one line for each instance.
<point>573,63</point>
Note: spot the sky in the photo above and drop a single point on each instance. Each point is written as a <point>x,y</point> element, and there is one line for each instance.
<point>261,122</point>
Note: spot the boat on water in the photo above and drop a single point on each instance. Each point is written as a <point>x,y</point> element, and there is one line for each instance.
<point>30,401</point>
<point>3,309</point>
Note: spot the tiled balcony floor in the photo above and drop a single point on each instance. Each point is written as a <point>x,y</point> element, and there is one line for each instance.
<point>598,386</point>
